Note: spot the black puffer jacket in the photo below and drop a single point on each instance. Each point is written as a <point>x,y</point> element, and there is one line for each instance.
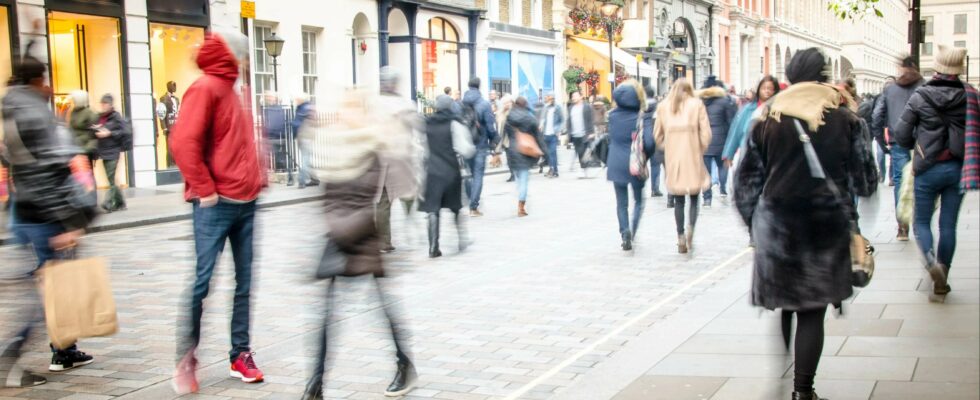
<point>721,112</point>
<point>110,147</point>
<point>924,129</point>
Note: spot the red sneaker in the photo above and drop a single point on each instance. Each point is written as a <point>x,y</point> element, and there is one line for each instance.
<point>185,377</point>
<point>244,368</point>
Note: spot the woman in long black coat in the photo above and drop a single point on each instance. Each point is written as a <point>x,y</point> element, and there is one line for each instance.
<point>802,230</point>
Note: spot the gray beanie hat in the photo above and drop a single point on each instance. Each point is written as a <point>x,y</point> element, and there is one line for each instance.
<point>444,102</point>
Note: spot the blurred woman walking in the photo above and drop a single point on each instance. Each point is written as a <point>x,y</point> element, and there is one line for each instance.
<point>526,144</point>
<point>631,105</point>
<point>802,165</point>
<point>682,129</point>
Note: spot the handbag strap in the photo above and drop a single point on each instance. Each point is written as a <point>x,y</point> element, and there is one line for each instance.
<point>817,170</point>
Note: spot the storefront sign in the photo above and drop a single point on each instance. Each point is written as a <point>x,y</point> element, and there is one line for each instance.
<point>248,9</point>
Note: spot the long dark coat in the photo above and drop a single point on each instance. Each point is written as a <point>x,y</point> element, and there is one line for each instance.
<point>350,216</point>
<point>801,231</point>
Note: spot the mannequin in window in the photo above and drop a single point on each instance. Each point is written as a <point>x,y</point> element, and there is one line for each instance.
<point>168,107</point>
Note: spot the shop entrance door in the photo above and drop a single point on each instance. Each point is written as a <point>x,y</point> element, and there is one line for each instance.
<point>85,54</point>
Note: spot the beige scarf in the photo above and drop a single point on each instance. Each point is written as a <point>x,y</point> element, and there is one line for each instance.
<point>807,101</point>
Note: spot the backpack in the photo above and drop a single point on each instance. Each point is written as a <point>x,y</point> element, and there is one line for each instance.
<point>126,138</point>
<point>471,121</point>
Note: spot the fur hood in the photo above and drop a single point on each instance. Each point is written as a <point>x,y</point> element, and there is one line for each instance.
<point>711,92</point>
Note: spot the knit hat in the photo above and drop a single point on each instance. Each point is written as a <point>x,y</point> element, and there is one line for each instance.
<point>949,61</point>
<point>444,103</point>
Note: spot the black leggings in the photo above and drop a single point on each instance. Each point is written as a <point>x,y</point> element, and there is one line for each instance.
<point>679,211</point>
<point>809,345</point>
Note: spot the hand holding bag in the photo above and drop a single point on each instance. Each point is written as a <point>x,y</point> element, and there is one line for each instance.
<point>862,252</point>
<point>78,300</point>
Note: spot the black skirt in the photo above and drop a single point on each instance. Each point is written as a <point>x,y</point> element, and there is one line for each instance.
<point>442,192</point>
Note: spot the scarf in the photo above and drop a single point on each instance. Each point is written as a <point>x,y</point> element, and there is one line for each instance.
<point>970,177</point>
<point>807,101</point>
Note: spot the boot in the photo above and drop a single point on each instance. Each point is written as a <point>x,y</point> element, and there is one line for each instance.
<point>627,241</point>
<point>681,244</point>
<point>940,278</point>
<point>806,396</point>
<point>434,235</point>
<point>903,232</point>
<point>521,212</point>
<point>314,391</point>
<point>464,240</point>
<point>690,238</point>
<point>511,179</point>
<point>670,201</point>
<point>404,380</point>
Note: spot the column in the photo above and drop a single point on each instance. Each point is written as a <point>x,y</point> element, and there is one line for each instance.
<point>140,96</point>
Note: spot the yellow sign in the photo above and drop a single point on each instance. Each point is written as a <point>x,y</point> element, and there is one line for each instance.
<point>248,9</point>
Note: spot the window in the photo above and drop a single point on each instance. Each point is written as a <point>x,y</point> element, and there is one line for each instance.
<point>927,49</point>
<point>309,64</point>
<point>928,21</point>
<point>960,43</point>
<point>959,24</point>
<point>263,63</point>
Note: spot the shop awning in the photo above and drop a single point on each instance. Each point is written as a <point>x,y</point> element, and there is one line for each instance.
<point>621,57</point>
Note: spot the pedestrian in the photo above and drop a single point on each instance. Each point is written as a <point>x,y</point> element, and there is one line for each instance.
<point>801,226</point>
<point>486,139</point>
<point>111,132</point>
<point>274,125</point>
<point>580,128</point>
<point>887,113</point>
<point>657,160</point>
<point>215,150</point>
<point>351,176</point>
<point>683,130</point>
<point>746,117</point>
<point>83,123</point>
<point>551,121</point>
<point>630,113</point>
<point>721,113</point>
<point>521,121</point>
<point>506,104</point>
<point>600,106</point>
<point>866,112</point>
<point>494,99</point>
<point>400,169</point>
<point>934,124</point>
<point>51,200</point>
<point>448,143</point>
<point>305,118</point>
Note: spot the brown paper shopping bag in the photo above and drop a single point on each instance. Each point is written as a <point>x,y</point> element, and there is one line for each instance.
<point>78,300</point>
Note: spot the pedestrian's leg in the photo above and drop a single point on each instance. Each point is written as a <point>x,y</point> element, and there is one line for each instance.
<point>881,163</point>
<point>925,200</point>
<point>315,384</point>
<point>464,240</point>
<point>241,234</point>
<point>210,232</point>
<point>393,314</point>
<point>679,201</point>
<point>809,346</point>
<point>478,169</point>
<point>707,165</point>
<point>694,211</point>
<point>622,200</point>
<point>110,174</point>
<point>638,203</point>
<point>722,175</point>
<point>949,210</point>
<point>523,176</point>
<point>552,153</point>
<point>383,220</point>
<point>900,157</point>
<point>433,222</point>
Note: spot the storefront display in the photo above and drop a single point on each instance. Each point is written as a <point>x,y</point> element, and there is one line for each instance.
<point>535,76</point>
<point>85,54</point>
<point>172,50</point>
<point>5,46</point>
<point>440,58</point>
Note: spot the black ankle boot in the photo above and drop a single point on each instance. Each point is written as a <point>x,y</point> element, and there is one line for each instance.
<point>314,391</point>
<point>806,396</point>
<point>434,235</point>
<point>627,241</point>
<point>404,380</point>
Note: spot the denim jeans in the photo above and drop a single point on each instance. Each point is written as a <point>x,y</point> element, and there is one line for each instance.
<point>305,147</point>
<point>622,206</point>
<point>655,163</point>
<point>942,181</point>
<point>882,158</point>
<point>722,175</point>
<point>551,141</point>
<point>213,226</point>
<point>900,157</point>
<point>521,176</point>
<point>478,166</point>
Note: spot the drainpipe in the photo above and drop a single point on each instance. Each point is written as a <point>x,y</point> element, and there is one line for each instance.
<point>711,38</point>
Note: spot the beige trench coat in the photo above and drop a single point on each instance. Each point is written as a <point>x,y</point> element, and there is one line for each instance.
<point>684,136</point>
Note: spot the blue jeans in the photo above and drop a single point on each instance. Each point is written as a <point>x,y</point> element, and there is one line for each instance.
<point>212,227</point>
<point>551,141</point>
<point>882,157</point>
<point>521,176</point>
<point>900,157</point>
<point>942,181</point>
<point>655,163</point>
<point>305,148</point>
<point>722,174</point>
<point>478,166</point>
<point>622,206</point>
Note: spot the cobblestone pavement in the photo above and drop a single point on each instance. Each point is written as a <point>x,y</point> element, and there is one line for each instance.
<point>536,308</point>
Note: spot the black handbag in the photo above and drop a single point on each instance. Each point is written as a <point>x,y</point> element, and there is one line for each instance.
<point>333,262</point>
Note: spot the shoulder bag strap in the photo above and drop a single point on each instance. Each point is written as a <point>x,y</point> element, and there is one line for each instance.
<point>817,170</point>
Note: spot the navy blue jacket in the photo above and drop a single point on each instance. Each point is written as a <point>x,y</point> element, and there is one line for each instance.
<point>622,123</point>
<point>484,116</point>
<point>302,113</point>
<point>274,121</point>
<point>721,112</point>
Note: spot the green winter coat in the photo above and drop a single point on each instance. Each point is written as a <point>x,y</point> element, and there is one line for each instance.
<point>81,122</point>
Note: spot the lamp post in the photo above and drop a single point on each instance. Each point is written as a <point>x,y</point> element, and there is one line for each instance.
<point>609,9</point>
<point>273,45</point>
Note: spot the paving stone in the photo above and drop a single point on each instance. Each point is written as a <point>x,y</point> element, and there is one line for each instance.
<point>924,390</point>
<point>951,370</point>
<point>671,388</point>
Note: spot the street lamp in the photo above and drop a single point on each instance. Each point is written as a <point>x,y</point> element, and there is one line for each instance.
<point>273,45</point>
<point>609,9</point>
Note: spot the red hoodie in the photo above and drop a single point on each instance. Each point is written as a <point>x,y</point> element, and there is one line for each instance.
<point>212,141</point>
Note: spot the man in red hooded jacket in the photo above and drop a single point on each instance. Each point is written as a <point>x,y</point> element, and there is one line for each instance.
<point>213,145</point>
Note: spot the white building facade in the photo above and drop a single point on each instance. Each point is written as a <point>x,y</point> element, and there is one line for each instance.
<point>953,23</point>
<point>873,47</point>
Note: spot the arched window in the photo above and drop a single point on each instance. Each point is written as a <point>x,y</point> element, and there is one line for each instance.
<point>440,58</point>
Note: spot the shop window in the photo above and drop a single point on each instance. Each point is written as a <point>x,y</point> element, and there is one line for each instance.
<point>535,76</point>
<point>262,64</point>
<point>85,55</point>
<point>309,64</point>
<point>172,49</point>
<point>440,58</point>
<point>5,44</point>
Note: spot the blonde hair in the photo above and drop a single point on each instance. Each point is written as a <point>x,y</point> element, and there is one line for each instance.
<point>679,93</point>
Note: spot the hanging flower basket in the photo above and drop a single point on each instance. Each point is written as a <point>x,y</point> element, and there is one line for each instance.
<point>573,76</point>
